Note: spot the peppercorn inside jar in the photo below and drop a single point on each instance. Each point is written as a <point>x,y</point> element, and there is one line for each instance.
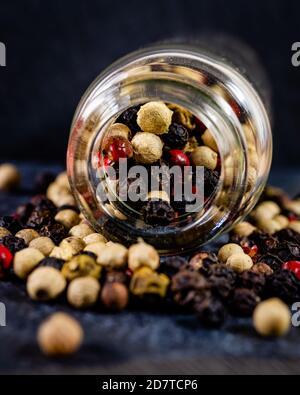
<point>165,149</point>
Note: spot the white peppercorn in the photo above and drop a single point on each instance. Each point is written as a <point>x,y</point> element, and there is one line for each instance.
<point>295,226</point>
<point>72,245</point>
<point>45,283</point>
<point>293,206</point>
<point>118,130</point>
<point>239,262</point>
<point>142,254</point>
<point>154,117</point>
<point>27,235</point>
<point>4,232</point>
<point>9,177</point>
<point>68,218</point>
<point>44,244</point>
<point>229,249</point>
<point>244,229</point>
<point>62,180</point>
<point>147,147</point>
<point>209,140</point>
<point>266,210</point>
<point>95,248</point>
<point>205,156</point>
<point>60,335</point>
<point>272,318</point>
<point>282,221</point>
<point>83,292</point>
<point>81,231</point>
<point>113,256</point>
<point>269,226</point>
<point>25,261</point>
<point>94,238</point>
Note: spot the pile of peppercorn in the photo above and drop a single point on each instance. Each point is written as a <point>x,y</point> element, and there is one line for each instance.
<point>162,134</point>
<point>49,245</point>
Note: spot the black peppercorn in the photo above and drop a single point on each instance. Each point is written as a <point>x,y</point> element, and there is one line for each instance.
<point>284,285</point>
<point>171,265</point>
<point>55,231</point>
<point>40,202</point>
<point>10,223</point>
<point>253,281</point>
<point>273,261</point>
<point>14,244</point>
<point>158,212</point>
<point>23,212</point>
<point>243,302</point>
<point>177,136</point>
<point>188,286</point>
<point>39,218</point>
<point>129,118</point>
<point>52,262</point>
<point>211,312</point>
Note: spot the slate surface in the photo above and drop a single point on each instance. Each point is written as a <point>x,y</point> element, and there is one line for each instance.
<point>140,342</point>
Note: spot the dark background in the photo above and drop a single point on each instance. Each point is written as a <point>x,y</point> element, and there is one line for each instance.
<point>56,48</point>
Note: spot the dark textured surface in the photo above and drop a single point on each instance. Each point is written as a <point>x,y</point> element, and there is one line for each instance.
<point>56,48</point>
<point>140,342</point>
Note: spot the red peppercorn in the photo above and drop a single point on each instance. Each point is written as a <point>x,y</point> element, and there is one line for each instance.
<point>178,158</point>
<point>6,258</point>
<point>251,251</point>
<point>104,161</point>
<point>292,217</point>
<point>119,148</point>
<point>293,266</point>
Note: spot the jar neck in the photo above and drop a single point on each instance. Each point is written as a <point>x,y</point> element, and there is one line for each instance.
<point>207,88</point>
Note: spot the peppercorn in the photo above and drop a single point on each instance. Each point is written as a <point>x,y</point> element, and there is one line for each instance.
<point>243,302</point>
<point>60,195</point>
<point>142,254</point>
<point>94,238</point>
<point>114,296</point>
<point>266,211</point>
<point>9,177</point>
<point>147,147</point>
<point>6,259</point>
<point>253,281</point>
<point>117,130</point>
<point>269,226</point>
<point>262,268</point>
<point>113,256</point>
<point>70,246</point>
<point>228,250</point>
<point>239,262</point>
<point>244,229</point>
<point>14,244</point>
<point>202,261</point>
<point>211,312</point>
<point>4,232</point>
<point>182,116</point>
<point>39,218</point>
<point>171,265</point>
<point>272,318</point>
<point>25,261</point>
<point>45,283</point>
<point>178,158</point>
<point>10,223</point>
<point>68,218</point>
<point>43,244</point>
<point>158,212</point>
<point>293,266</point>
<point>95,248</point>
<point>129,117</point>
<point>81,266</point>
<point>52,262</point>
<point>27,235</point>
<point>220,270</point>
<point>295,226</point>
<point>60,335</point>
<point>41,202</point>
<point>209,140</point>
<point>205,156</point>
<point>145,281</point>
<point>154,117</point>
<point>81,231</point>
<point>55,231</point>
<point>211,181</point>
<point>117,276</point>
<point>23,212</point>
<point>284,285</point>
<point>186,285</point>
<point>83,292</point>
<point>177,136</point>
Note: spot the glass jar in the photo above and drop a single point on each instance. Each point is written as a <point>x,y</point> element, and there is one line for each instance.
<point>212,90</point>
